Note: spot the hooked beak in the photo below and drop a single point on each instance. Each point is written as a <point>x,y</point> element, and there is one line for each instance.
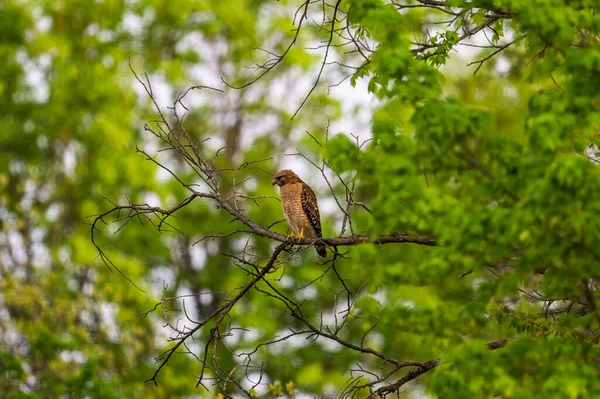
<point>273,183</point>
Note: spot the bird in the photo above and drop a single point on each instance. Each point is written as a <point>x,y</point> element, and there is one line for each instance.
<point>300,208</point>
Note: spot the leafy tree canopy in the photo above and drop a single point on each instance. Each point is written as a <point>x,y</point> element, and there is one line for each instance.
<point>142,249</point>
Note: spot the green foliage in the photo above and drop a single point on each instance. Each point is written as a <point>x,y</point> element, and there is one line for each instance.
<point>500,168</point>
<point>455,172</point>
<point>342,153</point>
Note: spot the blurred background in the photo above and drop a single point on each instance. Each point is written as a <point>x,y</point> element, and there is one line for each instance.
<point>71,117</point>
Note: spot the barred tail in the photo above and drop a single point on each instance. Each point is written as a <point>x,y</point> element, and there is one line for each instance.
<point>321,250</point>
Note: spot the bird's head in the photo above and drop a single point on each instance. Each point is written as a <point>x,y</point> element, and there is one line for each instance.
<point>284,177</point>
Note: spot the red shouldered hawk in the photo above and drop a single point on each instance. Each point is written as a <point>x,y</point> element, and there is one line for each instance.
<point>300,208</point>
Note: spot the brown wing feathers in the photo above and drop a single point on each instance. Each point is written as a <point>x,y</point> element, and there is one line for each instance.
<point>311,210</point>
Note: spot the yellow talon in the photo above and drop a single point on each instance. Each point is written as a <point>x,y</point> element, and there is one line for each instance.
<point>301,235</point>
<point>290,236</point>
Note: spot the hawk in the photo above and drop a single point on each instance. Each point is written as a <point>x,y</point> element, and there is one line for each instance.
<point>300,208</point>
